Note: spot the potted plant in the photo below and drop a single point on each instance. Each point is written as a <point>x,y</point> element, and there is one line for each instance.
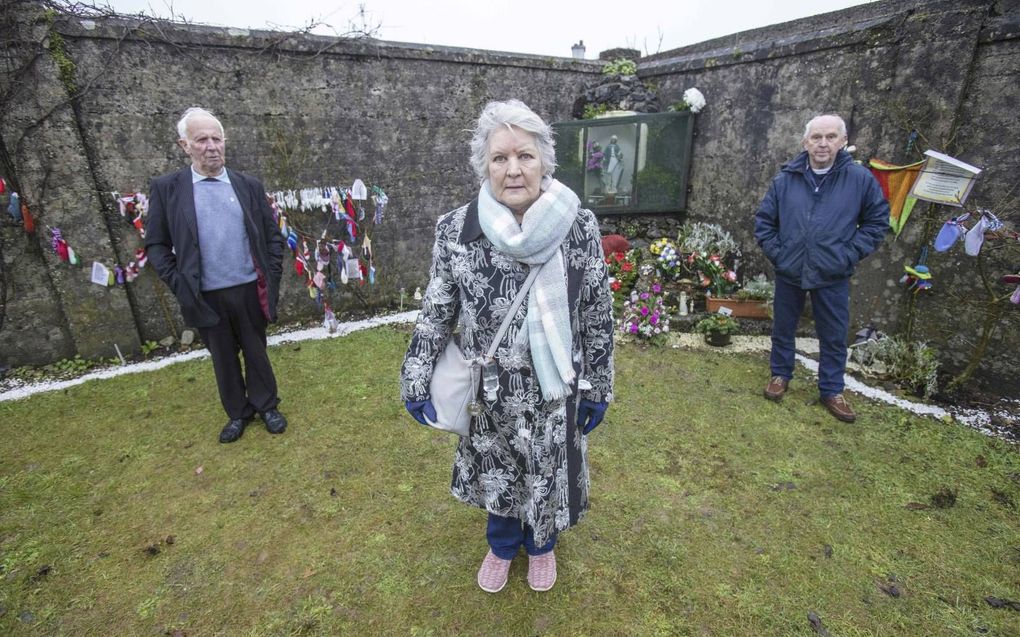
<point>754,300</point>
<point>717,328</point>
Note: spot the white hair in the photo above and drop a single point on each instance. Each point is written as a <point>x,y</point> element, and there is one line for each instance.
<point>194,111</point>
<point>842,125</point>
<point>510,113</point>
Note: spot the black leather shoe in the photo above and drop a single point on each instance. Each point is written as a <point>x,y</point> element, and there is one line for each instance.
<point>234,429</point>
<point>275,422</point>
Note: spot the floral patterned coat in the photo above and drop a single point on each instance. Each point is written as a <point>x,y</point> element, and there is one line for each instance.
<point>525,457</point>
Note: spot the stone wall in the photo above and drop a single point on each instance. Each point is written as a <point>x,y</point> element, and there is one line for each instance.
<point>298,110</point>
<point>947,69</point>
<point>306,110</point>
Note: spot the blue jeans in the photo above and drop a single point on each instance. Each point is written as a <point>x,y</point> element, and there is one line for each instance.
<point>507,535</point>
<point>831,308</point>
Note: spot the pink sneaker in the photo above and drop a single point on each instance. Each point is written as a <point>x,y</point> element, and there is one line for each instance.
<point>493,572</point>
<point>542,571</point>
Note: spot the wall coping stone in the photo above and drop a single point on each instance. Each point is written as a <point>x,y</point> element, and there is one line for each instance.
<point>304,44</point>
<point>872,24</point>
<point>787,46</point>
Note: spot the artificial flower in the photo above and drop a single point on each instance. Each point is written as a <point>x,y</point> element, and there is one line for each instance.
<point>694,100</point>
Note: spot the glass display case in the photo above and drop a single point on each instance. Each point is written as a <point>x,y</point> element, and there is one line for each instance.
<point>627,164</point>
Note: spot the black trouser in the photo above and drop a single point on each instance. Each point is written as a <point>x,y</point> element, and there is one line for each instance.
<point>242,328</point>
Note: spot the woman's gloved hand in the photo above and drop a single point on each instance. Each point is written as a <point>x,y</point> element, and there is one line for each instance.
<point>590,414</point>
<point>422,409</point>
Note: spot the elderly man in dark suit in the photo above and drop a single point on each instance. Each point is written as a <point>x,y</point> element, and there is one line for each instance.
<point>212,238</point>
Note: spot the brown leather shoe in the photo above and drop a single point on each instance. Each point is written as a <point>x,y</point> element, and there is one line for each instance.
<point>776,388</point>
<point>840,408</point>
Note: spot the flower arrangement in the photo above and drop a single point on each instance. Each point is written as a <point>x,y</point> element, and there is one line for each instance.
<point>658,245</point>
<point>714,275</point>
<point>668,262</point>
<point>595,158</point>
<point>644,314</point>
<point>623,271</point>
<point>692,101</point>
<point>717,323</point>
<point>707,246</point>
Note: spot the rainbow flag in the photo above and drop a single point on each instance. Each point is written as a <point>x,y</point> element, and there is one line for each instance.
<point>896,182</point>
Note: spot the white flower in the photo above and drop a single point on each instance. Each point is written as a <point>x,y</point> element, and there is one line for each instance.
<point>694,99</point>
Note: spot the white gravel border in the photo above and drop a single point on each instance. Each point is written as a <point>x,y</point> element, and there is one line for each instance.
<point>977,419</point>
<point>1007,411</point>
<point>313,334</point>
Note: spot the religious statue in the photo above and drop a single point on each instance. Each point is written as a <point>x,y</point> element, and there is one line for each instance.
<point>613,163</point>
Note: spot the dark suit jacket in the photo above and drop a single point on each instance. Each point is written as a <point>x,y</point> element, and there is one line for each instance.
<point>171,242</point>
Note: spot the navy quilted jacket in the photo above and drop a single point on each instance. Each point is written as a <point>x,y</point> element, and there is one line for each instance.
<point>815,229</point>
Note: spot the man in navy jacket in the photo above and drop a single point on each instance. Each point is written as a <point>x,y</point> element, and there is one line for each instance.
<point>212,238</point>
<point>822,214</point>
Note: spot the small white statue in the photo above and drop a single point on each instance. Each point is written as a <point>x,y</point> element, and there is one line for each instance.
<point>683,304</point>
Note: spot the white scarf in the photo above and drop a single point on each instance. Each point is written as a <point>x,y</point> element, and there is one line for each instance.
<point>536,242</point>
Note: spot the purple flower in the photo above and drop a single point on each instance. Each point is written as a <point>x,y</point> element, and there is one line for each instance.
<point>633,329</point>
<point>644,310</point>
<point>656,288</point>
<point>654,319</point>
<point>644,296</point>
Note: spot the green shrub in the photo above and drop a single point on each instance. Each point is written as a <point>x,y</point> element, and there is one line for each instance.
<point>620,66</point>
<point>71,367</point>
<point>149,347</point>
<point>757,289</point>
<point>591,111</point>
<point>911,365</point>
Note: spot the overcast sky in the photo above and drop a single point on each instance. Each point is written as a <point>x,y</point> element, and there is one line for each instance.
<point>543,27</point>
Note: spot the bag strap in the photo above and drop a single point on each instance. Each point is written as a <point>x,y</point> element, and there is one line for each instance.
<point>512,311</point>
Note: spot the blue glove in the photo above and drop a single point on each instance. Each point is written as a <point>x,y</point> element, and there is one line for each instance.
<point>422,409</point>
<point>590,414</point>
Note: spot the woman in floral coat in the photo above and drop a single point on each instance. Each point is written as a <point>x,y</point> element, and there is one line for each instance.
<point>525,460</point>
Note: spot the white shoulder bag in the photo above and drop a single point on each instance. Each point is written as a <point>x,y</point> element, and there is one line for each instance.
<point>454,384</point>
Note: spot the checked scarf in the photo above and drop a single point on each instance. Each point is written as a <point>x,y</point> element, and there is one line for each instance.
<point>536,242</point>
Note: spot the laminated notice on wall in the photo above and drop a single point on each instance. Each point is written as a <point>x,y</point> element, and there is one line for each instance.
<point>944,180</point>
<point>100,274</point>
<point>353,269</point>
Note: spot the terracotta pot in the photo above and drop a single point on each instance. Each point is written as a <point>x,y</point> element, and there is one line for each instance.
<point>717,339</point>
<point>741,309</point>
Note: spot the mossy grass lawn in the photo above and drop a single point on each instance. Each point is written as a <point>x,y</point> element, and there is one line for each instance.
<point>714,512</point>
